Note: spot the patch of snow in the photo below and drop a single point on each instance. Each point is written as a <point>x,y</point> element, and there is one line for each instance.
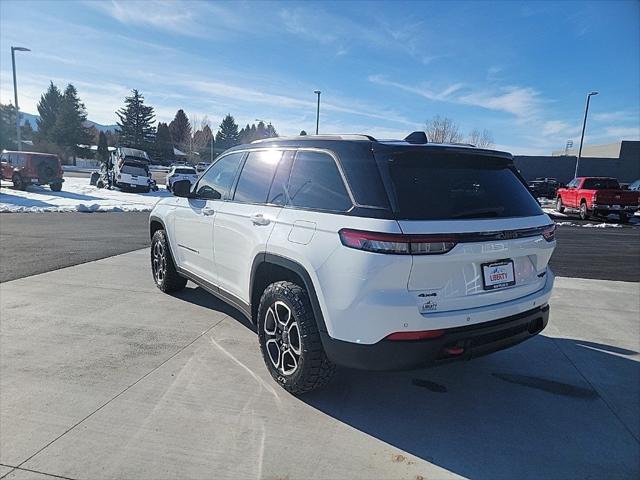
<point>77,195</point>
<point>589,225</point>
<point>554,212</point>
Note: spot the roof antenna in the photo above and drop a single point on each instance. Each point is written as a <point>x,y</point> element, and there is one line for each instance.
<point>417,138</point>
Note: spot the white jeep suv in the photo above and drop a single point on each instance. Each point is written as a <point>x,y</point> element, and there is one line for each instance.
<point>345,250</point>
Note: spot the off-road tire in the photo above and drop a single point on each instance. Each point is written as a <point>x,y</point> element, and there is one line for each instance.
<point>314,369</point>
<point>100,183</point>
<point>559,206</point>
<point>55,187</point>
<point>584,213</point>
<point>18,182</point>
<point>170,280</point>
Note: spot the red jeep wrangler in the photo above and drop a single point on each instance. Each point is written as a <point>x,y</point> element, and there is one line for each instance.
<point>597,196</point>
<point>31,168</point>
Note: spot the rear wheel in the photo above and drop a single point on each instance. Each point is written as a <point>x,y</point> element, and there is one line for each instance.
<point>164,270</point>
<point>289,339</point>
<point>55,187</point>
<point>584,213</point>
<point>559,206</point>
<point>18,182</point>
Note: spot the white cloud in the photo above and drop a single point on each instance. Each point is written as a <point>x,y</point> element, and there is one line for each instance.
<point>619,115</point>
<point>623,133</point>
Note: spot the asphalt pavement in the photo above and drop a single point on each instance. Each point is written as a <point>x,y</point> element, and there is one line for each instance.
<point>105,377</point>
<point>34,243</point>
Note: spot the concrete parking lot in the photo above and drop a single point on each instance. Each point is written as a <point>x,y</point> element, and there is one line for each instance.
<point>103,376</point>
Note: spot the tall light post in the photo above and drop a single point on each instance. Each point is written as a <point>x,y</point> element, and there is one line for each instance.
<point>584,125</point>
<point>317,92</point>
<point>15,91</point>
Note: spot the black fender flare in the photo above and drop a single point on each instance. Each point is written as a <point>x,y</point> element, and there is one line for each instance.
<point>273,259</point>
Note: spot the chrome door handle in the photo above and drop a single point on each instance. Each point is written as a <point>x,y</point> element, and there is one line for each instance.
<point>259,219</point>
<point>208,211</point>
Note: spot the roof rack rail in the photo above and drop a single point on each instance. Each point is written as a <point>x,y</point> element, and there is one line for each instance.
<point>356,136</point>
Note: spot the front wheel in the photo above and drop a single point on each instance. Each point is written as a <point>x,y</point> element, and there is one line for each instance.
<point>559,206</point>
<point>18,182</point>
<point>164,270</point>
<point>584,214</point>
<point>289,339</point>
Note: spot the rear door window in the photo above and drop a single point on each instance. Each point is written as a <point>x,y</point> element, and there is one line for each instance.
<point>256,176</point>
<point>443,186</point>
<point>315,182</point>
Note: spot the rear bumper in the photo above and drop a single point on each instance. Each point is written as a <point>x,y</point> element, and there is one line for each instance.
<point>475,340</point>
<point>620,208</point>
<point>42,181</point>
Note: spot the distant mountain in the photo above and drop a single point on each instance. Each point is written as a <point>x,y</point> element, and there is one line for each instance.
<point>33,121</point>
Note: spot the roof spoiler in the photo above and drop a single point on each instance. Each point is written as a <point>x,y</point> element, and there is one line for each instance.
<point>417,138</point>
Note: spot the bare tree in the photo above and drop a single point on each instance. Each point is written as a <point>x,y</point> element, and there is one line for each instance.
<point>482,139</point>
<point>443,130</point>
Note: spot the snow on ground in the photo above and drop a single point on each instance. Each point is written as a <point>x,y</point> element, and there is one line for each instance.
<point>76,196</point>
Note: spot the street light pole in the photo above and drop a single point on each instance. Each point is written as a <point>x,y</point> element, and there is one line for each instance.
<point>15,91</point>
<point>317,92</point>
<point>584,125</point>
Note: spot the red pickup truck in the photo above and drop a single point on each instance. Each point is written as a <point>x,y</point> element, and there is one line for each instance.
<point>597,196</point>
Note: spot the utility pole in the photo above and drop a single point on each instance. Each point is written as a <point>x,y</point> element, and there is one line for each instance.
<point>317,92</point>
<point>15,91</point>
<point>584,125</point>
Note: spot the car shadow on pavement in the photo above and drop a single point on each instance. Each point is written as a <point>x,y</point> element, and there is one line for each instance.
<point>199,296</point>
<point>507,415</point>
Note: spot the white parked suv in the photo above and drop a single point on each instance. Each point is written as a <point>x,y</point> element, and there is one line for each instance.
<point>345,250</point>
<point>179,172</point>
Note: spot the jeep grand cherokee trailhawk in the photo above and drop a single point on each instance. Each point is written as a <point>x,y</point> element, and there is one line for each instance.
<point>345,250</point>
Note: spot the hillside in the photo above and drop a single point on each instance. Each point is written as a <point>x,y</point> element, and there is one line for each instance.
<point>33,121</point>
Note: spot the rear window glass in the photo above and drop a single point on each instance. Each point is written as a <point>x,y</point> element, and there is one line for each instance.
<point>133,169</point>
<point>436,186</point>
<point>185,171</point>
<point>601,184</point>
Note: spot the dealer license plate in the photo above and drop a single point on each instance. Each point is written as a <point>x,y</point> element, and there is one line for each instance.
<point>498,274</point>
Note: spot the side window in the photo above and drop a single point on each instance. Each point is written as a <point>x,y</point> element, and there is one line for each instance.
<point>256,176</point>
<point>315,182</point>
<point>216,183</point>
<point>4,158</point>
<point>278,194</point>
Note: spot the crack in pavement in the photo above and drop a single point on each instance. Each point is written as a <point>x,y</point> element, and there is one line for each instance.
<point>19,466</point>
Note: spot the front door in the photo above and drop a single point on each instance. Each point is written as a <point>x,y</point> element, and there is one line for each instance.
<point>194,218</point>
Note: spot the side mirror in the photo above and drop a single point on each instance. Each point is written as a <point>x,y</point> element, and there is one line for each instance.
<point>182,188</point>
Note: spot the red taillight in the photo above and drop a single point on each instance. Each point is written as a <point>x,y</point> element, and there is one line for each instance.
<point>396,243</point>
<point>549,233</point>
<point>423,335</point>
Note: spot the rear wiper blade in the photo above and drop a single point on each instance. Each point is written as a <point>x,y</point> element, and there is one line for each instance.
<point>479,213</point>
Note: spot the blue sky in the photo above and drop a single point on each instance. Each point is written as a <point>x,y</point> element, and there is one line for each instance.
<point>521,70</point>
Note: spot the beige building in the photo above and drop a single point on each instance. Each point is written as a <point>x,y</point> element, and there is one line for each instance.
<point>606,150</point>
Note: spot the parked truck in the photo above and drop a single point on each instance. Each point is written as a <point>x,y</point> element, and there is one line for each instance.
<point>597,196</point>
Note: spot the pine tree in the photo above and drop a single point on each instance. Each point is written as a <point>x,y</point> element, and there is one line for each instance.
<point>8,127</point>
<point>48,108</point>
<point>261,131</point>
<point>271,131</point>
<point>26,131</point>
<point>69,130</point>
<point>163,148</point>
<point>103,150</point>
<point>303,133</point>
<point>135,125</point>
<point>180,129</point>
<point>227,136</point>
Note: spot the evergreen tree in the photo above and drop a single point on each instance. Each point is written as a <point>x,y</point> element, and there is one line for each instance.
<point>135,125</point>
<point>180,129</point>
<point>163,148</point>
<point>48,108</point>
<point>8,127</point>
<point>228,135</point>
<point>271,131</point>
<point>103,149</point>
<point>69,130</point>
<point>303,133</point>
<point>261,131</point>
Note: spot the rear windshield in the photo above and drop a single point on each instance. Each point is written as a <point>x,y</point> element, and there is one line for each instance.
<point>134,169</point>
<point>601,184</point>
<point>186,171</point>
<point>437,186</point>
